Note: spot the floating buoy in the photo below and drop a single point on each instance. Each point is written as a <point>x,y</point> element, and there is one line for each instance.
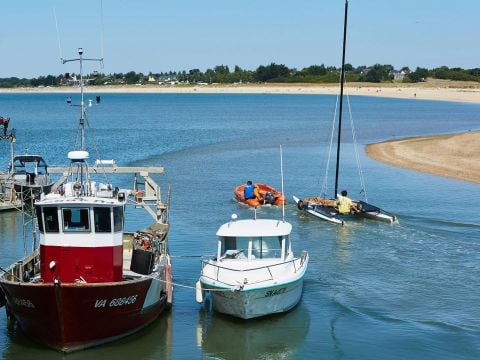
<point>198,292</point>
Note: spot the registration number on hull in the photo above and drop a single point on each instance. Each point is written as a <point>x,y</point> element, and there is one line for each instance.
<point>102,303</point>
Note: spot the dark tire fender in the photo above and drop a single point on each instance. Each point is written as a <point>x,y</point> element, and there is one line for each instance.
<point>301,205</point>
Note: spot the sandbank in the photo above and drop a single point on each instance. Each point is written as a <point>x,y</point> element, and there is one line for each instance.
<point>455,155</point>
<point>443,90</point>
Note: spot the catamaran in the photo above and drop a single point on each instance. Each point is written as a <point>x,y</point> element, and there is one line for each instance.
<point>325,208</point>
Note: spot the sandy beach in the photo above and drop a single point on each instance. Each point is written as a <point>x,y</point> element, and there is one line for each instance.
<point>456,156</point>
<point>443,90</point>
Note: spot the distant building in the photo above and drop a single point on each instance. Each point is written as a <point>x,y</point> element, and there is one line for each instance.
<point>167,80</point>
<point>398,75</point>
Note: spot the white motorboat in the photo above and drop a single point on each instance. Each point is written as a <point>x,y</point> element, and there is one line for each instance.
<point>254,272</point>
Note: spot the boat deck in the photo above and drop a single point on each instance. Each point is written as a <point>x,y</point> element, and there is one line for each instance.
<point>127,250</point>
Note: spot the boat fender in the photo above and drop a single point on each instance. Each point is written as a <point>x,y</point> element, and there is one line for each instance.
<point>169,283</point>
<point>198,292</point>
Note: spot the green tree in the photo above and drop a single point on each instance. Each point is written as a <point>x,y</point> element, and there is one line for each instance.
<point>271,72</point>
<point>132,77</point>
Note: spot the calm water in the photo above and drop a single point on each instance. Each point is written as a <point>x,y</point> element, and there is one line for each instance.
<point>372,290</point>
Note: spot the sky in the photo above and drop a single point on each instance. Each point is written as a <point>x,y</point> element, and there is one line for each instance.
<point>158,35</point>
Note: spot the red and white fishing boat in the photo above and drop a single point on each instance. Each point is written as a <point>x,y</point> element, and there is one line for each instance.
<point>89,281</point>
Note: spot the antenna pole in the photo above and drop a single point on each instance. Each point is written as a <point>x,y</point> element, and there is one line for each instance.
<point>82,103</point>
<point>281,174</point>
<point>342,81</point>
<point>81,59</point>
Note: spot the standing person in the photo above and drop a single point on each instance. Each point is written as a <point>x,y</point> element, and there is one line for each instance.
<point>345,204</point>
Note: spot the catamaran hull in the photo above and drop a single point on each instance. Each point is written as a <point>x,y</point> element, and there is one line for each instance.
<point>255,302</point>
<point>319,212</point>
<point>367,211</point>
<point>373,212</point>
<point>69,317</point>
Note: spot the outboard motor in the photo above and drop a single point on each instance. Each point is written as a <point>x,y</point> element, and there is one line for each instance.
<point>269,198</point>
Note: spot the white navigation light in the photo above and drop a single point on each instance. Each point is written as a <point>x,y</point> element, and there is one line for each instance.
<point>52,265</point>
<point>78,155</point>
<point>234,216</point>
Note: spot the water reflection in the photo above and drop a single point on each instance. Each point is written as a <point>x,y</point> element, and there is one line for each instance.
<point>8,226</point>
<point>153,342</point>
<point>272,337</point>
<point>343,239</point>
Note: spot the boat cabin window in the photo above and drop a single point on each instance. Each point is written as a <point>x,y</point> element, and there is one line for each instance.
<point>75,219</point>
<point>38,212</point>
<point>234,247</point>
<point>118,218</point>
<point>50,215</point>
<point>102,219</point>
<point>267,247</point>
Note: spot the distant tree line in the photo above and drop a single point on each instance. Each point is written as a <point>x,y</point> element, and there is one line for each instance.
<point>273,73</point>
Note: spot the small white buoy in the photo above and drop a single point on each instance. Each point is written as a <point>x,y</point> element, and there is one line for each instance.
<point>198,292</point>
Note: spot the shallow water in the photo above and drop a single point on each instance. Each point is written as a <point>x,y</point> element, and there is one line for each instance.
<point>372,290</point>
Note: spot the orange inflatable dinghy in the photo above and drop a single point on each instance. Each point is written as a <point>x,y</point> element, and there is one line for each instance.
<point>269,196</point>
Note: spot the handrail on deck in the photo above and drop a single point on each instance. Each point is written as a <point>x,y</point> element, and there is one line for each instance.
<point>301,260</point>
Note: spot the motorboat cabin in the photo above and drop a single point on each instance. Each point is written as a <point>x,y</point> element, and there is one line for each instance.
<point>30,175</point>
<point>247,243</point>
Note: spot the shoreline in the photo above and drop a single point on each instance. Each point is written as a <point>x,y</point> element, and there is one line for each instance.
<point>455,156</point>
<point>430,90</point>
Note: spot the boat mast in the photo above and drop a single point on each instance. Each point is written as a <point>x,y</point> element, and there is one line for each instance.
<point>81,59</point>
<point>342,80</point>
<point>82,102</point>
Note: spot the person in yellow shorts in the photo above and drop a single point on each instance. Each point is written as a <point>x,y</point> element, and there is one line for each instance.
<point>345,204</point>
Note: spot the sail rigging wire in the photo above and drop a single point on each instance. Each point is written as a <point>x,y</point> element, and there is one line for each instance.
<point>102,37</point>
<point>355,147</point>
<point>332,133</point>
<point>58,34</point>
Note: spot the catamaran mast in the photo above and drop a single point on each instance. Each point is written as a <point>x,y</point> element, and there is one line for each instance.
<point>342,80</point>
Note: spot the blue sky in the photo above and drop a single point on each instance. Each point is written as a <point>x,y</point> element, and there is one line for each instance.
<point>159,35</point>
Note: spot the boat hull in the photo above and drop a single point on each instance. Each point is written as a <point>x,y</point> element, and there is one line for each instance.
<point>256,302</point>
<point>330,214</point>
<point>263,190</point>
<point>320,211</point>
<point>69,317</point>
